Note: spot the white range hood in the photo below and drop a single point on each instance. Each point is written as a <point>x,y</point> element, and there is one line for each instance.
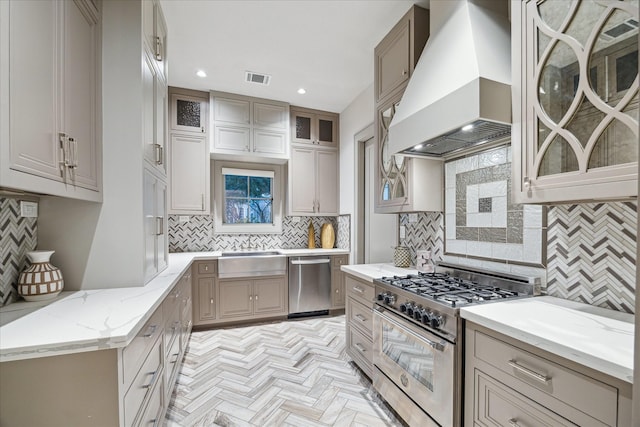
<point>459,94</point>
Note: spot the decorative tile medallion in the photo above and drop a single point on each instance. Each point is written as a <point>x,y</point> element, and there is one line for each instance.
<point>480,219</point>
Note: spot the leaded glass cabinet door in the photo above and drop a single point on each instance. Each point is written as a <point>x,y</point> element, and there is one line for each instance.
<point>575,67</point>
<point>188,114</point>
<point>392,168</point>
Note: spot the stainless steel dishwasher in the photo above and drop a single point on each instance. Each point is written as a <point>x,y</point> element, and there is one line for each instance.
<point>309,285</point>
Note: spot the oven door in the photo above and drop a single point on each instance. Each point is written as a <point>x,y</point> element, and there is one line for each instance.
<point>419,363</point>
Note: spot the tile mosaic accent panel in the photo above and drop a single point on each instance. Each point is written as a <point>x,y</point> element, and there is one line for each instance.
<point>426,233</point>
<point>343,233</point>
<point>197,234</point>
<point>592,254</point>
<point>19,235</point>
<point>481,221</point>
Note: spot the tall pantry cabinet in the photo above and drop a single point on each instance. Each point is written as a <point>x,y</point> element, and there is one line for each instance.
<point>49,98</point>
<point>123,241</point>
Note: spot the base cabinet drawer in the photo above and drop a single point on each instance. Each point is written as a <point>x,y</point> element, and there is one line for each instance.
<point>134,354</point>
<point>498,405</point>
<point>361,291</point>
<point>360,317</point>
<point>152,415</point>
<point>590,396</point>
<point>360,348</point>
<point>140,390</point>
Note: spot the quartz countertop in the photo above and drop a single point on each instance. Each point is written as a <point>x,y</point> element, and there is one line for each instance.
<point>595,337</point>
<point>368,272</point>
<point>88,320</point>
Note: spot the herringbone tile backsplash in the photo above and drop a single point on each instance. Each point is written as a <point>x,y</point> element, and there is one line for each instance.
<point>18,236</point>
<point>591,254</point>
<point>425,233</point>
<point>197,234</point>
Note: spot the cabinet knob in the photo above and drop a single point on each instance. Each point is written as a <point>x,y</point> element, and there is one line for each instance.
<point>211,300</point>
<point>526,182</point>
<point>404,72</point>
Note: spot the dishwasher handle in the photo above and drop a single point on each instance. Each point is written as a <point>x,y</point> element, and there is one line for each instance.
<point>310,261</point>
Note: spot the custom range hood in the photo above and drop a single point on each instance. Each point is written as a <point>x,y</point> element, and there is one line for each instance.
<point>459,95</point>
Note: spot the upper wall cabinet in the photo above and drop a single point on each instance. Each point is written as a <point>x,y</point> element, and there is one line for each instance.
<point>397,54</point>
<point>403,184</point>
<point>155,35</point>
<point>314,127</point>
<point>188,114</point>
<point>249,129</point>
<point>575,100</point>
<point>50,98</point>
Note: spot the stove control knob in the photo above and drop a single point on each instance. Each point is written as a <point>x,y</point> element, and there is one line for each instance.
<point>436,321</point>
<point>380,297</point>
<point>404,306</point>
<point>410,309</point>
<point>426,317</point>
<point>389,299</point>
<point>418,314</point>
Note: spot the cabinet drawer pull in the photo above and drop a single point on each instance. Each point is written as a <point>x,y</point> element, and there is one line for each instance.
<point>211,301</point>
<point>360,348</point>
<point>533,374</point>
<point>358,289</point>
<point>361,318</point>
<point>513,422</point>
<point>153,379</point>
<point>151,331</point>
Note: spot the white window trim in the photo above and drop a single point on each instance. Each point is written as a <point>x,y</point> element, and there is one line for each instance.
<point>218,197</point>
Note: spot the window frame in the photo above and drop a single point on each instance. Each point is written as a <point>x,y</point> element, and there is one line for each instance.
<point>220,227</point>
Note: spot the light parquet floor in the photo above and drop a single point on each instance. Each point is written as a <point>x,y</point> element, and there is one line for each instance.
<point>293,373</point>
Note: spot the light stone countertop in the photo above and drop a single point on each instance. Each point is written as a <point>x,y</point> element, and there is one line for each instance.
<point>368,272</point>
<point>595,337</point>
<point>88,320</point>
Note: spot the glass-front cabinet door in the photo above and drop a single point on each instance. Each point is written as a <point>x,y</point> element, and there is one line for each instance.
<point>575,67</point>
<point>391,176</point>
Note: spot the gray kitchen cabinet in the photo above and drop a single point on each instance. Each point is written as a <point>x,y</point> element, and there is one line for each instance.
<point>359,322</point>
<point>156,253</point>
<point>337,281</point>
<point>154,111</point>
<point>249,129</point>
<point>397,54</point>
<point>189,163</point>
<point>403,184</point>
<point>128,386</point>
<point>314,191</point>
<point>575,108</point>
<point>252,298</point>
<point>511,383</point>
<point>204,292</point>
<point>50,52</point>
<point>314,127</point>
<point>188,113</point>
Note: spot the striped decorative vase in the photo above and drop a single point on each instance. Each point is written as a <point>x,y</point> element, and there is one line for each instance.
<point>41,280</point>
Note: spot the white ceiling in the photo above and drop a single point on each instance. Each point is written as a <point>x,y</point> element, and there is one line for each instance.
<point>324,46</point>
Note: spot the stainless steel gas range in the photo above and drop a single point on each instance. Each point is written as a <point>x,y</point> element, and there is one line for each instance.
<point>418,339</point>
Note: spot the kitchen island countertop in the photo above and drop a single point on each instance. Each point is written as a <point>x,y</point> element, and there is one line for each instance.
<point>595,337</point>
<point>97,319</point>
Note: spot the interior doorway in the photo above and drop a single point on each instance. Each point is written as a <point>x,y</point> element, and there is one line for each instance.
<point>376,234</point>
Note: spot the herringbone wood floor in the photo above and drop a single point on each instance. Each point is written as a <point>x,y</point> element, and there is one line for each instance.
<point>293,373</point>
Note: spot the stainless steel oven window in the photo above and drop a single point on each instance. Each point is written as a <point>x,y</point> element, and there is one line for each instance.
<point>409,353</point>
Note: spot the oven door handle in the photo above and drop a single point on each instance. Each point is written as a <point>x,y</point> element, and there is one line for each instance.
<point>380,311</point>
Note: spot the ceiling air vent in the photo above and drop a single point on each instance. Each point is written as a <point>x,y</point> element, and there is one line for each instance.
<point>619,30</point>
<point>261,79</point>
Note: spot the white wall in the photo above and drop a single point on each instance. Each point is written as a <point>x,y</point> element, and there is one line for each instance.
<point>358,115</point>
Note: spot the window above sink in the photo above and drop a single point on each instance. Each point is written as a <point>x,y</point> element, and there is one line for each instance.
<point>247,197</point>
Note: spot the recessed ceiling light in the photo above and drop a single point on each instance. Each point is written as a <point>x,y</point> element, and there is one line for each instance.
<point>201,73</point>
<point>467,127</point>
<point>301,91</point>
<point>417,147</point>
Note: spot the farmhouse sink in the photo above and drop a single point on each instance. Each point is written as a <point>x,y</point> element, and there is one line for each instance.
<point>250,264</point>
<point>250,253</point>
